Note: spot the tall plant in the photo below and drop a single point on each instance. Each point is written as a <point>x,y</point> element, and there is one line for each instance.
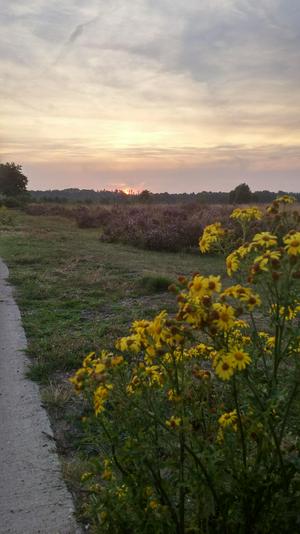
<point>195,418</point>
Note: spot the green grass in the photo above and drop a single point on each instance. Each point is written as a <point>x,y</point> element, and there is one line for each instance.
<point>77,294</point>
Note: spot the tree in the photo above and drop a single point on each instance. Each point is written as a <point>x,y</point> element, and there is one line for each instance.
<point>240,195</point>
<point>12,180</point>
<point>145,196</point>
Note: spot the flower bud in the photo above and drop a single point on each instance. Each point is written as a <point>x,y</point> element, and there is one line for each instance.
<point>173,288</point>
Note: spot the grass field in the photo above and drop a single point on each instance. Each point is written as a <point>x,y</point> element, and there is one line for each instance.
<point>78,294</point>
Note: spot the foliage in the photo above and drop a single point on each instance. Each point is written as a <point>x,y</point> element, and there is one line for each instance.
<point>159,227</point>
<point>12,180</point>
<point>168,228</point>
<point>73,195</point>
<point>240,195</point>
<point>210,441</point>
<point>145,196</point>
<point>74,290</point>
<point>5,217</point>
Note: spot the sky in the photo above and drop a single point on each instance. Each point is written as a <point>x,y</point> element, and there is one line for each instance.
<point>165,95</point>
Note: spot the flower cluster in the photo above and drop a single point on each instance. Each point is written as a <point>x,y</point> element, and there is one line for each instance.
<point>247,214</point>
<point>92,377</point>
<point>221,379</point>
<point>154,337</point>
<point>211,237</point>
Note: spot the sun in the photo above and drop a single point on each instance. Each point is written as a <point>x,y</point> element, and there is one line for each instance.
<point>129,191</point>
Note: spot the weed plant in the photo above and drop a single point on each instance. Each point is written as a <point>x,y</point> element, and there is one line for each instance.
<point>193,420</point>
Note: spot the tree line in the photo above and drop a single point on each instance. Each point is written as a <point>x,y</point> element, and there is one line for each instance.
<point>13,190</point>
<point>240,195</point>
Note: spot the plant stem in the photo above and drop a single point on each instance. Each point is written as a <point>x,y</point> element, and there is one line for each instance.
<point>240,424</point>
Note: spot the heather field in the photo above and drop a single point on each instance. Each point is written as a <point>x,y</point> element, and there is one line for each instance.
<point>170,228</point>
<point>198,348</point>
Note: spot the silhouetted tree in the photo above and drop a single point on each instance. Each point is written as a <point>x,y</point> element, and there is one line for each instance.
<point>240,195</point>
<point>12,181</point>
<point>145,196</point>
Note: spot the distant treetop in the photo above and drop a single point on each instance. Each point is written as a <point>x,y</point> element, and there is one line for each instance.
<point>241,195</point>
<point>12,180</point>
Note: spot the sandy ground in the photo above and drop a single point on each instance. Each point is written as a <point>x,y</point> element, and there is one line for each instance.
<point>33,496</point>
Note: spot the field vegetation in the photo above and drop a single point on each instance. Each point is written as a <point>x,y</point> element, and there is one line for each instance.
<point>78,294</point>
<point>187,420</point>
<point>154,227</point>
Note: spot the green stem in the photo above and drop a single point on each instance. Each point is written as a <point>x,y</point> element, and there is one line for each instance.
<point>288,407</point>
<point>240,424</point>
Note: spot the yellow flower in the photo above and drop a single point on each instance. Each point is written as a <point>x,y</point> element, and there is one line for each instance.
<point>134,384</point>
<point>153,504</point>
<point>286,199</point>
<point>117,360</point>
<point>172,396</point>
<point>151,352</point>
<point>99,368</point>
<point>89,359</point>
<point>197,285</point>
<point>121,491</point>
<point>204,245</point>
<point>201,374</point>
<point>224,368</point>
<point>174,422</point>
<point>243,250</point>
<point>271,342</point>
<point>244,294</point>
<point>253,301</point>
<point>211,235</point>
<point>78,379</point>
<point>232,263</point>
<point>240,359</point>
<point>131,343</point>
<point>265,239</point>
<point>100,396</point>
<point>107,472</point>
<point>154,374</point>
<point>266,258</point>
<point>228,419</point>
<point>213,283</point>
<point>201,285</point>
<point>225,316</point>
<point>292,243</point>
<point>246,214</point>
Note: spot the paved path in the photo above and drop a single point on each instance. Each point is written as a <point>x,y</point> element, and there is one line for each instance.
<point>33,497</point>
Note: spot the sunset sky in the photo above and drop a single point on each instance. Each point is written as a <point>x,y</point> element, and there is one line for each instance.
<point>168,95</point>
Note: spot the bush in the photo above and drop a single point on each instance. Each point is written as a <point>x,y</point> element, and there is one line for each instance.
<point>170,228</point>
<point>93,218</point>
<point>210,441</point>
<point>5,217</point>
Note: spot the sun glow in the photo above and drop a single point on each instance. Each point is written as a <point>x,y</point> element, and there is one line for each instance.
<point>129,191</point>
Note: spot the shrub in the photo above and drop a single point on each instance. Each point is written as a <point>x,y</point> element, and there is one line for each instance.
<point>5,217</point>
<point>92,218</point>
<point>210,440</point>
<point>170,228</point>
